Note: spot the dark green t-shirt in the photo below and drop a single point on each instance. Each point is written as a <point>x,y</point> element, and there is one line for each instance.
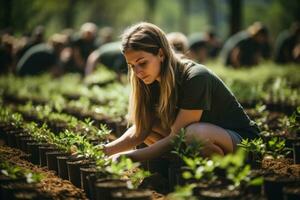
<point>249,49</point>
<point>200,89</point>
<point>112,57</point>
<point>38,59</point>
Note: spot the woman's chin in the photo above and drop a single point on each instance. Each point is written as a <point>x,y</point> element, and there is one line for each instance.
<point>148,81</point>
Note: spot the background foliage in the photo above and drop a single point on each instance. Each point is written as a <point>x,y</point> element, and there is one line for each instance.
<point>172,15</point>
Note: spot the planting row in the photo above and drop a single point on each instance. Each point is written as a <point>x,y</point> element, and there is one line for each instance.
<point>226,178</point>
<point>70,154</point>
<point>277,87</point>
<point>21,179</point>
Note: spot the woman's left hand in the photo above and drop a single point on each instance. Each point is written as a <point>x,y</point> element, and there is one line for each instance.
<point>116,157</point>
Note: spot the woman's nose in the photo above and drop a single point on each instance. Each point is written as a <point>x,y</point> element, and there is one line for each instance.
<point>138,69</point>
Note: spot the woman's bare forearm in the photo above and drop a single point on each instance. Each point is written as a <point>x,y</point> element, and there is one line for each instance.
<point>155,150</point>
<point>126,142</point>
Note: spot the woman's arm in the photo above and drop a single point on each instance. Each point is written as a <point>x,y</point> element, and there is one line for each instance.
<point>183,119</point>
<point>124,143</point>
<point>92,61</point>
<point>235,57</point>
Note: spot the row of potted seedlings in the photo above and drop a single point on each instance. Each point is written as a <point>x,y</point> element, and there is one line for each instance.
<point>235,176</point>
<point>58,120</point>
<point>19,183</point>
<point>274,145</point>
<point>70,154</point>
<point>173,167</point>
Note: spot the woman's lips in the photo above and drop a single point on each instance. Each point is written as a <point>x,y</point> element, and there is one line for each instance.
<point>144,77</point>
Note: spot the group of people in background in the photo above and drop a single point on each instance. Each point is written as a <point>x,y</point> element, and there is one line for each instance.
<point>81,51</point>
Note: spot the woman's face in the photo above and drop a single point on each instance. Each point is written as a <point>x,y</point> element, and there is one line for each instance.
<point>145,66</point>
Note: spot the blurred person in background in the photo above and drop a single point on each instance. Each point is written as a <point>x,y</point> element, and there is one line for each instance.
<point>170,94</point>
<point>247,48</point>
<point>6,53</point>
<point>109,55</point>
<point>178,42</point>
<point>287,45</point>
<point>106,35</point>
<point>198,48</point>
<point>74,57</point>
<point>37,37</point>
<point>42,57</point>
<point>214,44</point>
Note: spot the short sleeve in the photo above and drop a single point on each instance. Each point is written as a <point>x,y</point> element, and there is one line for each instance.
<point>196,93</point>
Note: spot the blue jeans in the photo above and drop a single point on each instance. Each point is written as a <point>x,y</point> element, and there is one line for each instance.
<point>235,137</point>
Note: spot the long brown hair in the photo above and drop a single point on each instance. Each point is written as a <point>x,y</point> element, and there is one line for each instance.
<point>150,38</point>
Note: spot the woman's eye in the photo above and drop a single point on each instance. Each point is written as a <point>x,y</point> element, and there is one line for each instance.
<point>143,64</point>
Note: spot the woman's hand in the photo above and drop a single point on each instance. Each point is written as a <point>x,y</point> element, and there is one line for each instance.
<point>116,157</point>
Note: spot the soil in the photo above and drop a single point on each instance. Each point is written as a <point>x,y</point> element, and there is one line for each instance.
<point>58,188</point>
<point>282,166</point>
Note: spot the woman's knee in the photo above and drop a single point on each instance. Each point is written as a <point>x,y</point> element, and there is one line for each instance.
<point>196,132</point>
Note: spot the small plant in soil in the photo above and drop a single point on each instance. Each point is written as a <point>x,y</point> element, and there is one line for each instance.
<point>90,131</point>
<point>262,119</point>
<point>230,170</point>
<point>15,172</point>
<point>255,147</point>
<point>9,118</point>
<point>237,172</point>
<point>72,142</point>
<point>274,148</point>
<point>182,193</point>
<point>199,168</point>
<point>40,134</point>
<point>182,150</point>
<point>291,124</point>
<point>127,169</point>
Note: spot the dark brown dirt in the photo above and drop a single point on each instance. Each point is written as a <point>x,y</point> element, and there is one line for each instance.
<point>282,166</point>
<point>58,188</point>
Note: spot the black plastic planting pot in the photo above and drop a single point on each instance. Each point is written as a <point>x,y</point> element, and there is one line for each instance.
<point>158,180</point>
<point>296,149</point>
<point>11,138</point>
<point>5,180</point>
<point>33,149</point>
<point>84,173</point>
<point>51,159</point>
<point>273,186</point>
<point>62,165</point>
<point>254,160</point>
<point>9,190</point>
<point>74,171</point>
<point>292,192</point>
<point>24,143</point>
<point>138,194</point>
<point>205,185</point>
<point>220,194</point>
<point>42,154</point>
<point>104,188</point>
<point>174,173</point>
<point>19,137</point>
<point>91,180</point>
<point>25,195</point>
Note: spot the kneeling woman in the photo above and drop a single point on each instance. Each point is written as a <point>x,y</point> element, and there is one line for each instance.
<point>170,93</point>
